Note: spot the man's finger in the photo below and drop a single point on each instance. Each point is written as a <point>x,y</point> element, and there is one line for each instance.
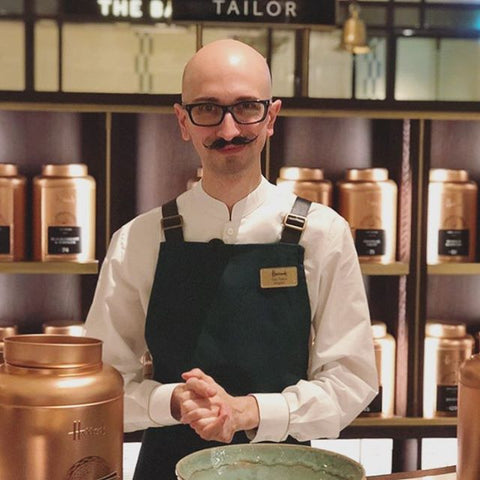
<point>200,387</point>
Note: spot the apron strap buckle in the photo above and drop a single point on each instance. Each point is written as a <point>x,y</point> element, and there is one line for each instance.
<point>173,221</point>
<point>294,221</point>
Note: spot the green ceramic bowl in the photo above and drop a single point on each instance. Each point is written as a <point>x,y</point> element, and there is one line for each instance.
<point>267,462</point>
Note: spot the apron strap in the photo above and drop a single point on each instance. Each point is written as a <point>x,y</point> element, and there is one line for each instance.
<point>294,223</point>
<point>172,222</point>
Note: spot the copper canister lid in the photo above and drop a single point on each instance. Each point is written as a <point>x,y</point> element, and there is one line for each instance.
<point>7,331</point>
<point>367,174</point>
<point>448,175</point>
<point>301,173</point>
<point>64,328</point>
<point>64,170</point>
<point>445,330</point>
<point>52,351</point>
<point>8,170</point>
<point>379,329</point>
<point>470,372</point>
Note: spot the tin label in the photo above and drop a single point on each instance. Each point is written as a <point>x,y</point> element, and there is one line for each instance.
<point>4,239</point>
<point>376,404</point>
<point>278,277</point>
<point>447,398</point>
<point>453,242</point>
<point>370,242</point>
<point>64,240</point>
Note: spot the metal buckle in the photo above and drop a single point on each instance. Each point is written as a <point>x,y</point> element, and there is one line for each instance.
<point>299,221</point>
<point>173,221</point>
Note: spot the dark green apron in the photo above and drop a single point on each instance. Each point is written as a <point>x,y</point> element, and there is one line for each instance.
<point>208,309</point>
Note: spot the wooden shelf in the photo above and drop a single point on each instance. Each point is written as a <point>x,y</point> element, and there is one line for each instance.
<point>90,267</point>
<point>397,268</point>
<point>454,269</point>
<point>401,427</point>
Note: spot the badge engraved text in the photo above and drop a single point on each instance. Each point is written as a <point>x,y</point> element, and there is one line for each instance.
<point>278,277</point>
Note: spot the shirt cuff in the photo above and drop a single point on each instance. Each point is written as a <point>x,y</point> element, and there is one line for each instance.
<point>274,418</point>
<point>159,405</point>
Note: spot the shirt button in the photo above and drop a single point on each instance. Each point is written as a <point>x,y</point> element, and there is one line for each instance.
<point>230,231</point>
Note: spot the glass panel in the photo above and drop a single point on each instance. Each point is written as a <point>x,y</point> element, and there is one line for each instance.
<point>46,56</point>
<point>46,7</point>
<point>416,69</point>
<point>255,37</point>
<point>12,55</point>
<point>283,62</point>
<point>330,68</point>
<point>408,17</point>
<point>447,69</point>
<point>11,7</point>
<point>459,70</point>
<point>370,71</point>
<point>123,58</point>
<point>450,18</point>
<point>167,63</point>
<point>373,16</point>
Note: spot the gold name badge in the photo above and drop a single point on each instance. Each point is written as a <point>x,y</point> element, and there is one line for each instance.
<point>278,277</point>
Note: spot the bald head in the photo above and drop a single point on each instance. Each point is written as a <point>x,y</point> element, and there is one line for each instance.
<point>227,66</point>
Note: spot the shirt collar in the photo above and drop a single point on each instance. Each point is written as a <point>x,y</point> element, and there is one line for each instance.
<point>243,207</point>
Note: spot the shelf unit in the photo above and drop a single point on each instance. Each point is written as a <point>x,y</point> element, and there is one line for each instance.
<point>84,268</point>
<point>111,139</point>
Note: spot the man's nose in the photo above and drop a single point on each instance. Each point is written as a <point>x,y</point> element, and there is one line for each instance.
<point>229,128</point>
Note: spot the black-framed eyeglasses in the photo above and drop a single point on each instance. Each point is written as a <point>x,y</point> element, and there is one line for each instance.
<point>247,112</point>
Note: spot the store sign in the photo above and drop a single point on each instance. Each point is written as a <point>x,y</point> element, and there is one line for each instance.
<point>145,10</point>
<point>262,11</point>
<point>257,11</point>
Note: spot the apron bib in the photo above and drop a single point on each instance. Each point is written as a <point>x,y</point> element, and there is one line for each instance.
<point>241,313</point>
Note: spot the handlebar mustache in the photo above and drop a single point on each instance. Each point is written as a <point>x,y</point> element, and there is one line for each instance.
<point>221,143</point>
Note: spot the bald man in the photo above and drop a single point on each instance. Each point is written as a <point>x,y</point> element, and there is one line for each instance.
<point>255,313</point>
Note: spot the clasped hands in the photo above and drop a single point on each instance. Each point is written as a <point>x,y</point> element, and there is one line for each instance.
<point>214,414</point>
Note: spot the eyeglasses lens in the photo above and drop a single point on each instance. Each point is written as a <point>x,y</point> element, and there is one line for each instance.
<point>209,114</point>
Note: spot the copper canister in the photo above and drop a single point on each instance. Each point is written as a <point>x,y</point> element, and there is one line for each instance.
<point>384,345</point>
<point>12,213</point>
<point>64,214</point>
<point>61,410</point>
<point>468,425</point>
<point>452,216</point>
<point>308,183</point>
<point>64,327</point>
<point>368,201</point>
<point>6,331</point>
<point>447,346</point>
<point>193,181</point>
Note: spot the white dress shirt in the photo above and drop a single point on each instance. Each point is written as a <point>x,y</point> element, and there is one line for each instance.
<point>342,377</point>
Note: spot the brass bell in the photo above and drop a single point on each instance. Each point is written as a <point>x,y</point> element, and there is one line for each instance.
<point>354,35</point>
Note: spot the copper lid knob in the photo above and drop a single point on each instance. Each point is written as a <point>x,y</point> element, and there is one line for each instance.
<point>8,170</point>
<point>64,328</point>
<point>445,330</point>
<point>367,174</point>
<point>301,173</point>
<point>448,175</point>
<point>64,170</point>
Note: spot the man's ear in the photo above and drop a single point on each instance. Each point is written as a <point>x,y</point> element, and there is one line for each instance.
<point>182,118</point>
<point>272,115</point>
